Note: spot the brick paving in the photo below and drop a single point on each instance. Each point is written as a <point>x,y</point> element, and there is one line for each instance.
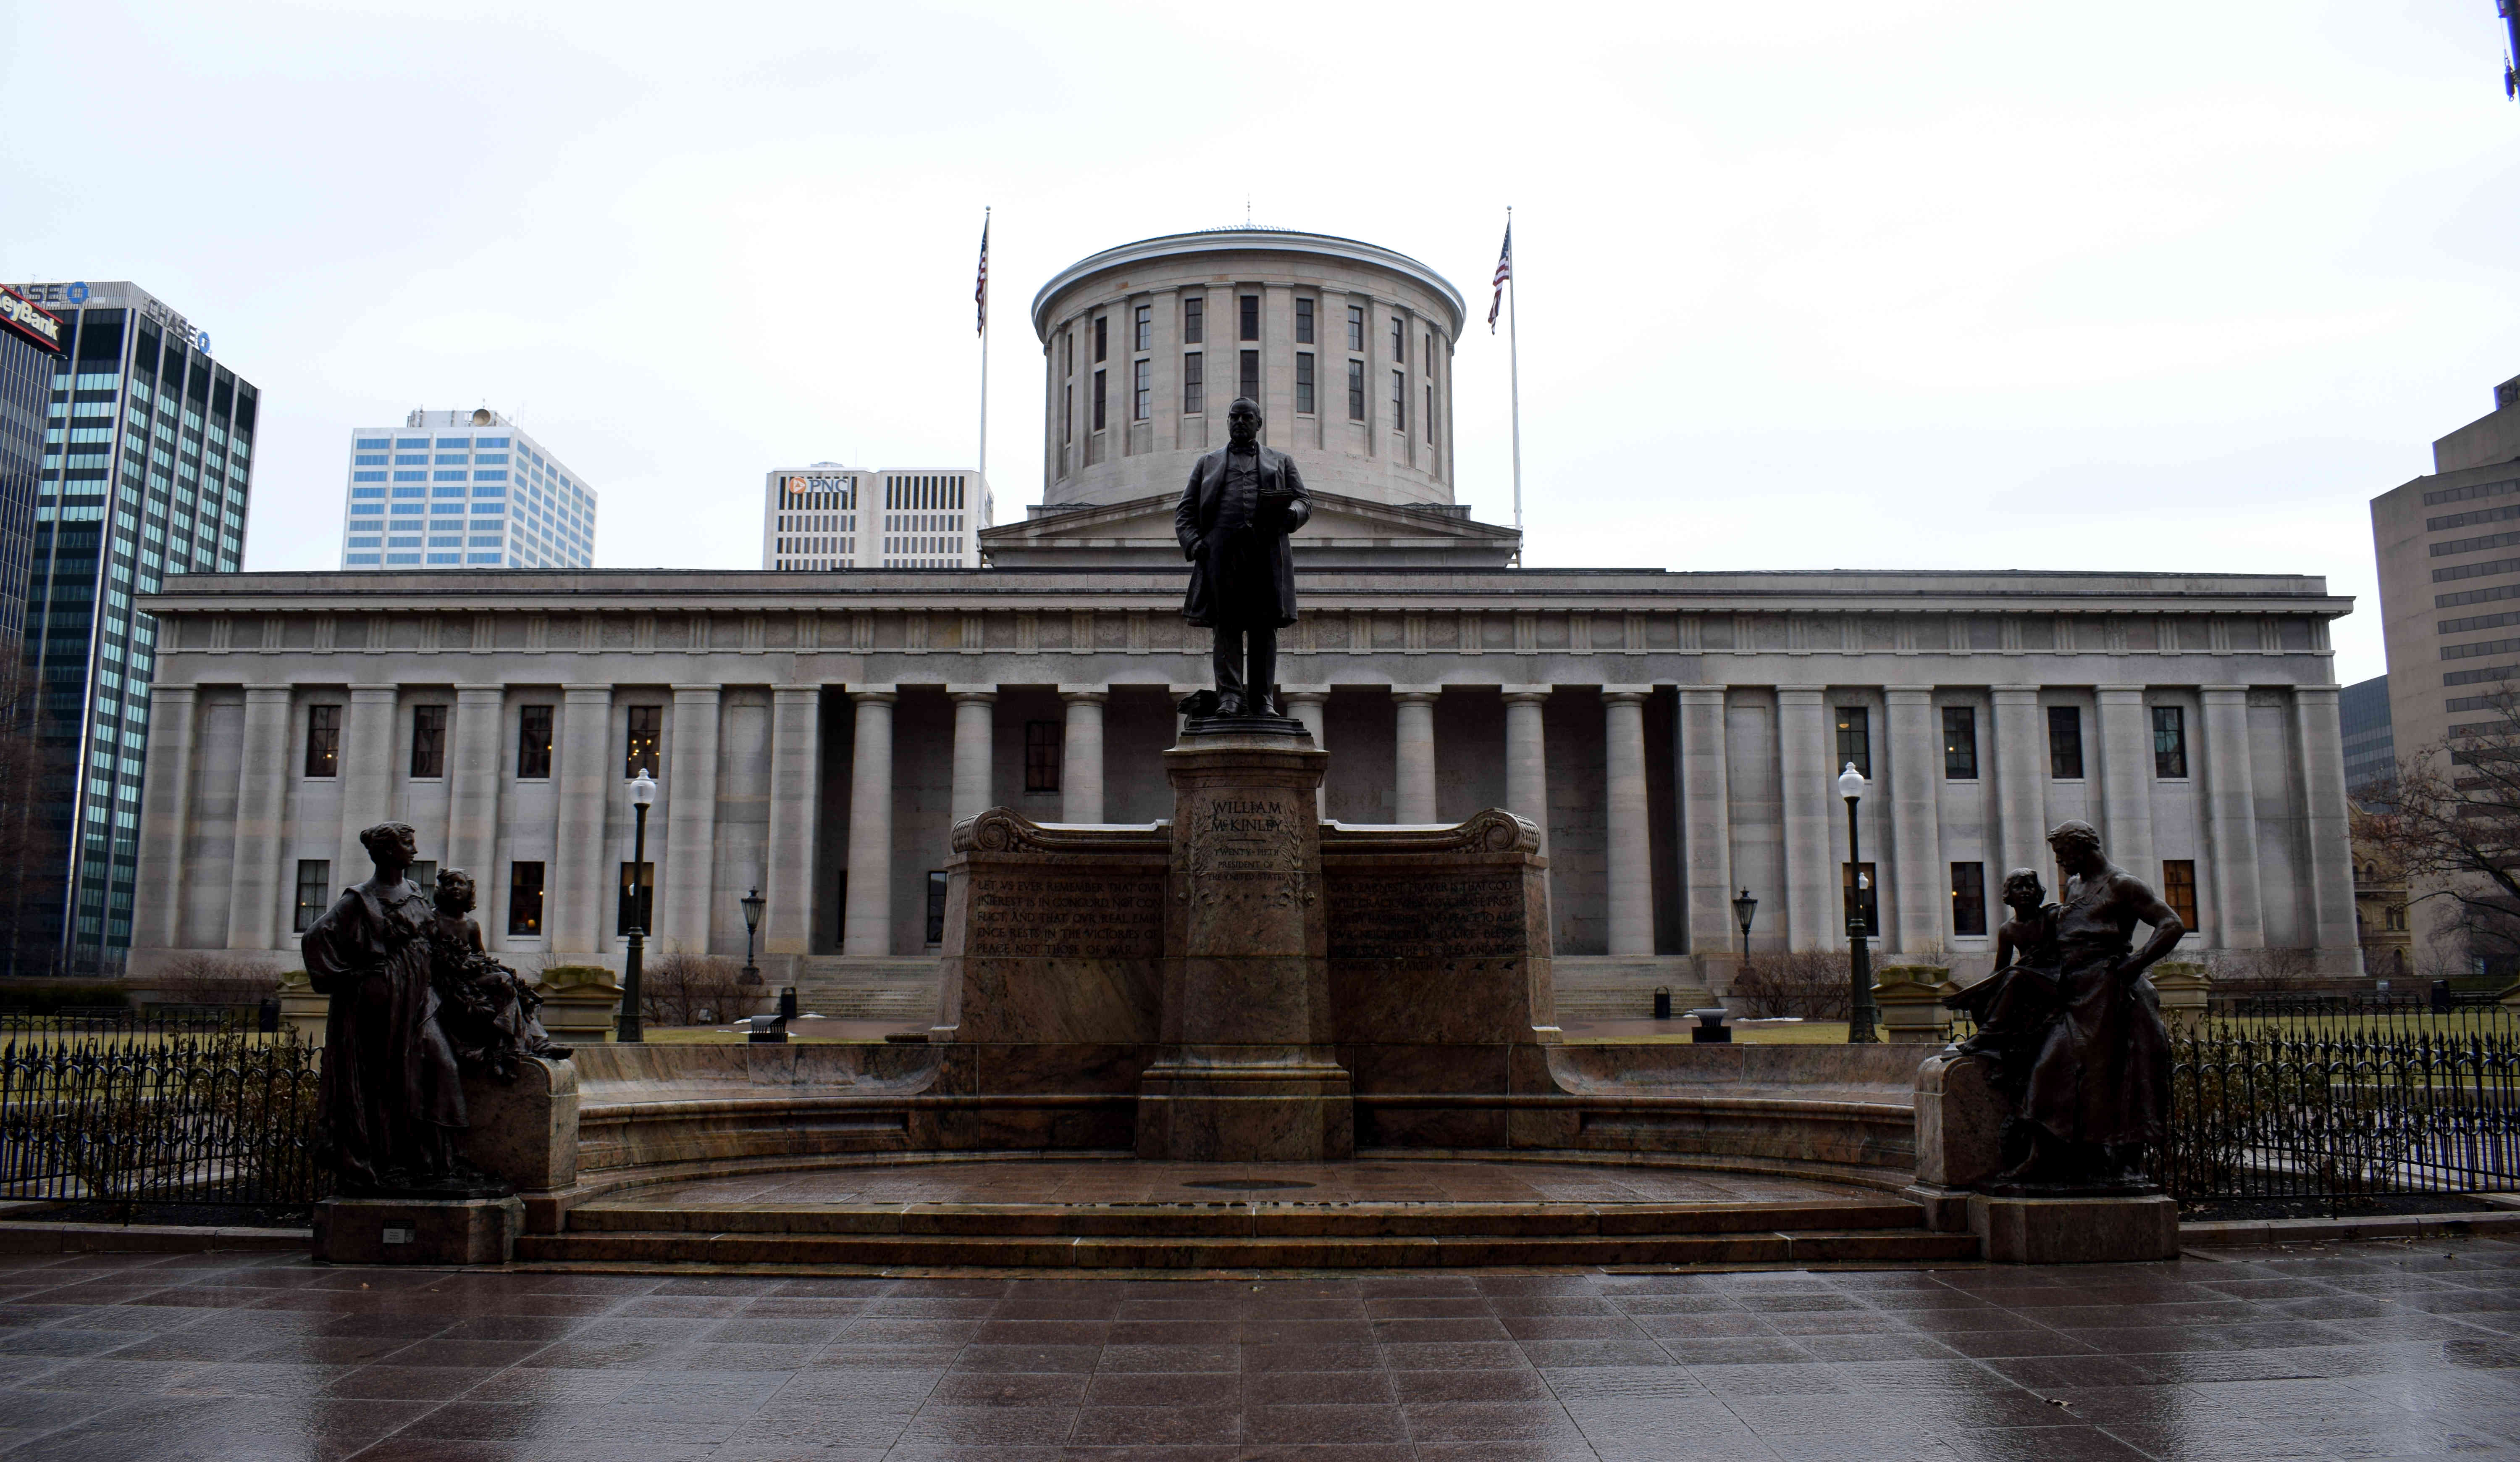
<point>2369,1351</point>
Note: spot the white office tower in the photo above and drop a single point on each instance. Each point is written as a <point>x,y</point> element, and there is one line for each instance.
<point>833,517</point>
<point>463,489</point>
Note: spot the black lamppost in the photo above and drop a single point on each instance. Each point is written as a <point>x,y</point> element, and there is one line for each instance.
<point>1744,909</point>
<point>1859,1010</point>
<point>643,791</point>
<point>752,906</point>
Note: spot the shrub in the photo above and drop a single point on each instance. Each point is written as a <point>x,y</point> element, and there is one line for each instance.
<point>1808,982</point>
<point>682,988</point>
<point>201,977</point>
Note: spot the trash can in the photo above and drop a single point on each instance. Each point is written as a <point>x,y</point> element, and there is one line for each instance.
<point>1662,1002</point>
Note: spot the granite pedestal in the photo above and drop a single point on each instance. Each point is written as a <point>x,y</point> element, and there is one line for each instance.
<point>1959,1133</point>
<point>1248,1069</point>
<point>417,1231</point>
<point>2075,1228</point>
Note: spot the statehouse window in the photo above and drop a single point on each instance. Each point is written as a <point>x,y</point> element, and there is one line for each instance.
<point>636,899</point>
<point>2169,742</point>
<point>1356,391</point>
<point>1959,743</point>
<point>1304,320</point>
<point>1066,415</point>
<point>1143,327</point>
<point>936,886</point>
<point>1142,394</point>
<point>1855,738</point>
<point>1101,400</point>
<point>1044,745</point>
<point>646,739</point>
<point>1102,337</point>
<point>2179,888</point>
<point>1399,402</point>
<point>1356,327</point>
<point>323,740</point>
<point>1194,320</point>
<point>524,899</point>
<point>1251,374</point>
<point>534,741</point>
<point>2065,742</point>
<point>424,872</point>
<point>314,885</point>
<point>1968,898</point>
<point>1193,383</point>
<point>428,741</point>
<point>1303,382</point>
<point>1250,317</point>
<point>1863,894</point>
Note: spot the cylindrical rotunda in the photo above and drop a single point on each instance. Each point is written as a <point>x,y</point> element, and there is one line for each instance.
<point>1346,345</point>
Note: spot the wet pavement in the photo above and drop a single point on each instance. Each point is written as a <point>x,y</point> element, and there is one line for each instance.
<point>2366,1351</point>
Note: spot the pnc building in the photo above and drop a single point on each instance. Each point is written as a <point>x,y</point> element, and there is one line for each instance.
<point>818,734</point>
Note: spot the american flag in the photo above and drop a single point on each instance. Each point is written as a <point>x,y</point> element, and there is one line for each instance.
<point>1504,272</point>
<point>980,291</point>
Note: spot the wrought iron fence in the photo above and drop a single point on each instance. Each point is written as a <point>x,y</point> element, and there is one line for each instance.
<point>2344,1105</point>
<point>114,1115</point>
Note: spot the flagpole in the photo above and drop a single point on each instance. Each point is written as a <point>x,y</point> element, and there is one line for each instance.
<point>984,351</point>
<point>1514,368</point>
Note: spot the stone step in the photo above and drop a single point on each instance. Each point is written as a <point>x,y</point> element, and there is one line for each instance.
<point>857,988</point>
<point>1387,1251</point>
<point>1242,1220</point>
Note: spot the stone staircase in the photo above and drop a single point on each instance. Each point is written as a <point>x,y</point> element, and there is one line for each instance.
<point>1603,988</point>
<point>1243,1235</point>
<point>858,987</point>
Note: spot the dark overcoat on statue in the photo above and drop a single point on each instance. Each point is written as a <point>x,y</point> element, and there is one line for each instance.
<point>1214,598</point>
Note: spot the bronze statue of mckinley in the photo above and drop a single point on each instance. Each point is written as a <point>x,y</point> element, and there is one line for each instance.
<point>1242,501</point>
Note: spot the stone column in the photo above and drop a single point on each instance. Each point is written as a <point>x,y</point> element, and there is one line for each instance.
<point>1309,704</point>
<point>1414,751</point>
<point>2126,782</point>
<point>869,915</point>
<point>474,776</point>
<point>1807,774</point>
<point>262,800</point>
<point>795,807</point>
<point>1248,1070</point>
<point>687,875</point>
<point>2321,750</point>
<point>976,727</point>
<point>1080,771</point>
<point>2020,788</point>
<point>1526,753</point>
<point>1920,887</point>
<point>1631,844</point>
<point>367,772</point>
<point>1706,824</point>
<point>164,858</point>
<point>2236,912</point>
<point>584,853</point>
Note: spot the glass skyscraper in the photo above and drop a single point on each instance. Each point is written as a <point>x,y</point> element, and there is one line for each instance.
<point>462,489</point>
<point>30,340</point>
<point>145,472</point>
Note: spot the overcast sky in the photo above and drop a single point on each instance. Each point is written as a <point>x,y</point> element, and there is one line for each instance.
<point>1839,283</point>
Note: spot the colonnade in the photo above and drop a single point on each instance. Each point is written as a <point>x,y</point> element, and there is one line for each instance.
<point>1905,811</point>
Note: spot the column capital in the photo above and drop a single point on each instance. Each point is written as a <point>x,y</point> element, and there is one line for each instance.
<point>370,692</point>
<point>878,694</point>
<point>1526,694</point>
<point>1094,694</point>
<point>186,691</point>
<point>1310,695</point>
<point>1417,696</point>
<point>2315,692</point>
<point>2013,692</point>
<point>697,692</point>
<point>2118,692</point>
<point>961,694</point>
<point>2221,693</point>
<point>477,692</point>
<point>1799,695</point>
<point>1626,695</point>
<point>585,692</point>
<point>1907,694</point>
<point>267,692</point>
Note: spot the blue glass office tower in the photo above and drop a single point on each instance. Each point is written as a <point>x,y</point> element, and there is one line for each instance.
<point>29,340</point>
<point>147,467</point>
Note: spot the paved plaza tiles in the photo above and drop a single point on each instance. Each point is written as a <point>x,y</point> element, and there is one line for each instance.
<point>2367,1351</point>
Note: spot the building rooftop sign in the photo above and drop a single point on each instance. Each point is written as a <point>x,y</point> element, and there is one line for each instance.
<point>40,328</point>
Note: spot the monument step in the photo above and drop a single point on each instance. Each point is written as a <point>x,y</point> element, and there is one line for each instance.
<point>1283,1251</point>
<point>1255,1220</point>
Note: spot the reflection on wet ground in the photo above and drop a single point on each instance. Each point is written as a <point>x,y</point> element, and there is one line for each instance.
<point>2369,1351</point>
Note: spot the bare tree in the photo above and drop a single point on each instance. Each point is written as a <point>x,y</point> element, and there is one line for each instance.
<point>682,988</point>
<point>1808,982</point>
<point>2454,828</point>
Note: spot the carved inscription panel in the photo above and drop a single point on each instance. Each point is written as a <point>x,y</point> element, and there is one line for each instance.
<point>1441,915</point>
<point>1248,846</point>
<point>1046,915</point>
